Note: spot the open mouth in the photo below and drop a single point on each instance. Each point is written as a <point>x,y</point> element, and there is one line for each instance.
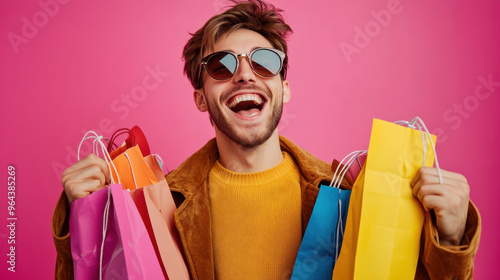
<point>247,105</point>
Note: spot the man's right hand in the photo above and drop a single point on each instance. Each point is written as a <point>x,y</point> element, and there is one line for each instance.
<point>84,177</point>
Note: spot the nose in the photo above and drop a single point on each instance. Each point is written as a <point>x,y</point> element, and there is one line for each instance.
<point>244,74</point>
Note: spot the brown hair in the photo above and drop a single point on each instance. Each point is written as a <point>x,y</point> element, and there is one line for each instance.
<point>255,15</point>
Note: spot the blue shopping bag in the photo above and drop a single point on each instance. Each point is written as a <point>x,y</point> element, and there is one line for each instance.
<point>322,240</point>
<point>323,237</point>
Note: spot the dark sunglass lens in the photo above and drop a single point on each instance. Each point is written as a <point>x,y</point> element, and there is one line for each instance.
<point>221,66</point>
<point>266,62</point>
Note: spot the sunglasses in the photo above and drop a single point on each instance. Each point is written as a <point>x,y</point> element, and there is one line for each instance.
<point>265,62</point>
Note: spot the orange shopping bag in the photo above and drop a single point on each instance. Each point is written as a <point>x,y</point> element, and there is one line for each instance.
<point>140,176</point>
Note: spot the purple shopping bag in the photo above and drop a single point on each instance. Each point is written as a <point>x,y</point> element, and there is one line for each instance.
<point>127,251</point>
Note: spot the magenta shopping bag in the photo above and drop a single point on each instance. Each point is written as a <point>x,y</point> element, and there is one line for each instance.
<point>127,251</point>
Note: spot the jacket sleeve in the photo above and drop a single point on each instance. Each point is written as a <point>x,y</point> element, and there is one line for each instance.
<point>60,232</point>
<point>449,262</point>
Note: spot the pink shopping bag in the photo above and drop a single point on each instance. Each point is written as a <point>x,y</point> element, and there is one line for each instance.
<point>127,251</point>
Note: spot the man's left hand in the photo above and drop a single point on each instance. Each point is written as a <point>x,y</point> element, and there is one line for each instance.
<point>449,200</point>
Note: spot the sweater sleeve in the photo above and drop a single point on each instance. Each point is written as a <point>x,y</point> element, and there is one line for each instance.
<point>449,262</point>
<point>60,232</point>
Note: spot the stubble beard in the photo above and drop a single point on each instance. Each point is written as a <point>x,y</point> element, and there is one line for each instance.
<point>251,138</point>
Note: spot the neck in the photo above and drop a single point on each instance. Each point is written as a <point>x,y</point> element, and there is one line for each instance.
<point>249,160</point>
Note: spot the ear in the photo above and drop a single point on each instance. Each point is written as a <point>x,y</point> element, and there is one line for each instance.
<point>286,91</point>
<point>200,100</point>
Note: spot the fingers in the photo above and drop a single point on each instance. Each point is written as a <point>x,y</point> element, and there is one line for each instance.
<point>427,194</point>
<point>452,183</point>
<point>438,197</point>
<point>431,175</point>
<point>449,201</point>
<point>82,189</point>
<point>84,177</point>
<point>89,160</point>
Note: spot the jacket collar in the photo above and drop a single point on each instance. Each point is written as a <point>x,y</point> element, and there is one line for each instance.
<point>190,175</point>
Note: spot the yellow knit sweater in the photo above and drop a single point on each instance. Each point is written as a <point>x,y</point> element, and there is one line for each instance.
<point>256,221</point>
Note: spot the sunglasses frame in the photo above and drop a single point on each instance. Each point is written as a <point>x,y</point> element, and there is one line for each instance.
<point>203,64</point>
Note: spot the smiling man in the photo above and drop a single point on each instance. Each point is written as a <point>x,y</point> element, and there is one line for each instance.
<point>245,198</point>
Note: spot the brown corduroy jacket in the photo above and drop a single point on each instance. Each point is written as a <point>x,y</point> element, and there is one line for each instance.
<point>189,186</point>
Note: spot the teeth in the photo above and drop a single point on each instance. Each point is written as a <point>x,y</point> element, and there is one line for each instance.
<point>245,97</point>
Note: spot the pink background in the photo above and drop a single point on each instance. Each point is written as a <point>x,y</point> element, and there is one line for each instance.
<point>68,67</point>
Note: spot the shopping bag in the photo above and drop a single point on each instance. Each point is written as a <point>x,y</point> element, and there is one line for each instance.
<point>384,221</point>
<point>86,226</point>
<point>142,175</point>
<point>316,256</point>
<point>322,239</point>
<point>135,136</point>
<point>154,201</point>
<point>108,237</point>
<point>128,239</point>
<point>127,251</point>
<point>156,206</point>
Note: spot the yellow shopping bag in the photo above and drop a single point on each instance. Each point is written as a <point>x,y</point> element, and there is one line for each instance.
<point>384,222</point>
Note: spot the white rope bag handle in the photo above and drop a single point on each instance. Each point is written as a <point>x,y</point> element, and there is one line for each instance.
<point>349,160</point>
<point>336,181</point>
<point>417,123</point>
<point>96,144</point>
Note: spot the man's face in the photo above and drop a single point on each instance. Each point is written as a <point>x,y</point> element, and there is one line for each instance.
<point>247,108</point>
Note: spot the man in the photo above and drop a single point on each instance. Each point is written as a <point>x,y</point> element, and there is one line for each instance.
<point>245,198</point>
